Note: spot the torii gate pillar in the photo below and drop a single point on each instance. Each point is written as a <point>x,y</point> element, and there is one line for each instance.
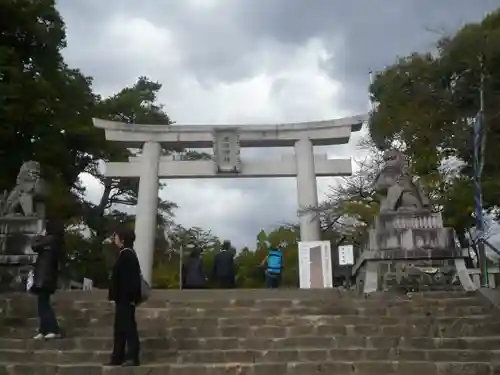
<point>307,191</point>
<point>147,208</point>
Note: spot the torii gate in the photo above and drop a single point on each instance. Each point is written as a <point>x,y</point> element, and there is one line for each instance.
<point>226,141</point>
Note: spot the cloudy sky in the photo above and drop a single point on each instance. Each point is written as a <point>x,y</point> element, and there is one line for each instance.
<point>252,61</point>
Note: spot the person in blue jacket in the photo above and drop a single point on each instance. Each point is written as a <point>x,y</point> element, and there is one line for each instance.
<point>274,267</point>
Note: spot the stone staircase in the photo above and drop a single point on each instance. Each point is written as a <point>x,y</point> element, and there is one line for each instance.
<point>262,332</point>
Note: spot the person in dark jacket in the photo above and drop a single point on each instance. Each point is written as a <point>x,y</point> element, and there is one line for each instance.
<point>193,273</point>
<point>125,292</point>
<point>223,271</point>
<point>49,247</point>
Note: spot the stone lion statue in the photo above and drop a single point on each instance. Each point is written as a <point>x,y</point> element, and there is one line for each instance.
<point>29,187</point>
<point>394,181</point>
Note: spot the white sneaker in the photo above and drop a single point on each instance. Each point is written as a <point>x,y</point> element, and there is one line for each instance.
<point>50,336</point>
<point>39,337</point>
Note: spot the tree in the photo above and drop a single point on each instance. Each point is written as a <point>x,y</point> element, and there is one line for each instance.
<point>135,104</point>
<point>132,104</point>
<point>46,111</point>
<point>352,204</point>
<point>426,104</point>
<point>45,107</point>
<point>180,237</point>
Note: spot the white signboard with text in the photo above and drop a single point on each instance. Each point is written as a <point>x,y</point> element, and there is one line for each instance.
<point>315,265</point>
<point>346,255</point>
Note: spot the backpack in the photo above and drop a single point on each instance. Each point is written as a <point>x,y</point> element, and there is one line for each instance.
<point>145,288</point>
<point>274,262</point>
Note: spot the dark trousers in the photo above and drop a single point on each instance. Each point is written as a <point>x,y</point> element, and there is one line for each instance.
<point>125,334</point>
<point>48,321</point>
<point>273,280</point>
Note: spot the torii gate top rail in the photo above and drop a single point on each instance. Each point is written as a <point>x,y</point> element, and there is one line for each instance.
<point>329,132</point>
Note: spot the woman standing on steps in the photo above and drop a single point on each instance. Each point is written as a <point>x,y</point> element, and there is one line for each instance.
<point>49,247</point>
<point>125,292</point>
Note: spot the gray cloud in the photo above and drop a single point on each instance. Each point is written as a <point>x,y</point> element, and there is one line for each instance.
<point>361,35</point>
<point>221,43</point>
<point>253,61</point>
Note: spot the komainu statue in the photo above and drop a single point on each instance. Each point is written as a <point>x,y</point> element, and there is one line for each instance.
<point>29,187</point>
<point>394,181</point>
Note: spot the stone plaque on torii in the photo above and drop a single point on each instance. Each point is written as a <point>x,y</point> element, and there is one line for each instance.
<point>226,142</point>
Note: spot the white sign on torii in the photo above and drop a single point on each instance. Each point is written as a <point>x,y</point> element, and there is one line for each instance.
<point>226,142</point>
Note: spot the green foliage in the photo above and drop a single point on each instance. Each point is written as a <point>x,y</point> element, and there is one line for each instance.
<point>166,272</point>
<point>136,103</point>
<point>80,262</point>
<point>425,105</point>
<point>45,107</point>
<point>251,273</point>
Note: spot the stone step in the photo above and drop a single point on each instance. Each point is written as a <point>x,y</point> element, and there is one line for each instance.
<point>154,321</point>
<point>244,299</point>
<point>393,310</point>
<point>458,307</point>
<point>262,343</point>
<point>249,294</point>
<point>459,328</point>
<point>254,355</point>
<point>290,368</point>
<point>30,302</point>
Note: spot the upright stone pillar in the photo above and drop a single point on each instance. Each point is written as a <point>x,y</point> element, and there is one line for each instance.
<point>307,190</point>
<point>147,207</point>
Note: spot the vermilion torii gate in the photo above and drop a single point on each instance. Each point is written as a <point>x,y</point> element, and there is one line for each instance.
<point>226,141</point>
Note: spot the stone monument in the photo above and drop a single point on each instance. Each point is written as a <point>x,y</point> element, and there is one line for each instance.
<point>22,216</point>
<point>407,247</point>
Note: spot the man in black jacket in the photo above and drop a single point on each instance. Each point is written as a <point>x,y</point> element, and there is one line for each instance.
<point>193,272</point>
<point>223,271</point>
<point>49,247</point>
<point>125,292</point>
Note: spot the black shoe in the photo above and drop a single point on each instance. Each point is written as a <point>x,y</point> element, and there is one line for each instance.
<point>131,363</point>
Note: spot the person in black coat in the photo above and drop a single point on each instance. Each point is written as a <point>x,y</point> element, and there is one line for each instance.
<point>125,292</point>
<point>193,273</point>
<point>223,271</point>
<point>49,247</point>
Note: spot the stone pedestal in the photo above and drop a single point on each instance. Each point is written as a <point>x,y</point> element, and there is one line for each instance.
<point>16,256</point>
<point>412,251</point>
